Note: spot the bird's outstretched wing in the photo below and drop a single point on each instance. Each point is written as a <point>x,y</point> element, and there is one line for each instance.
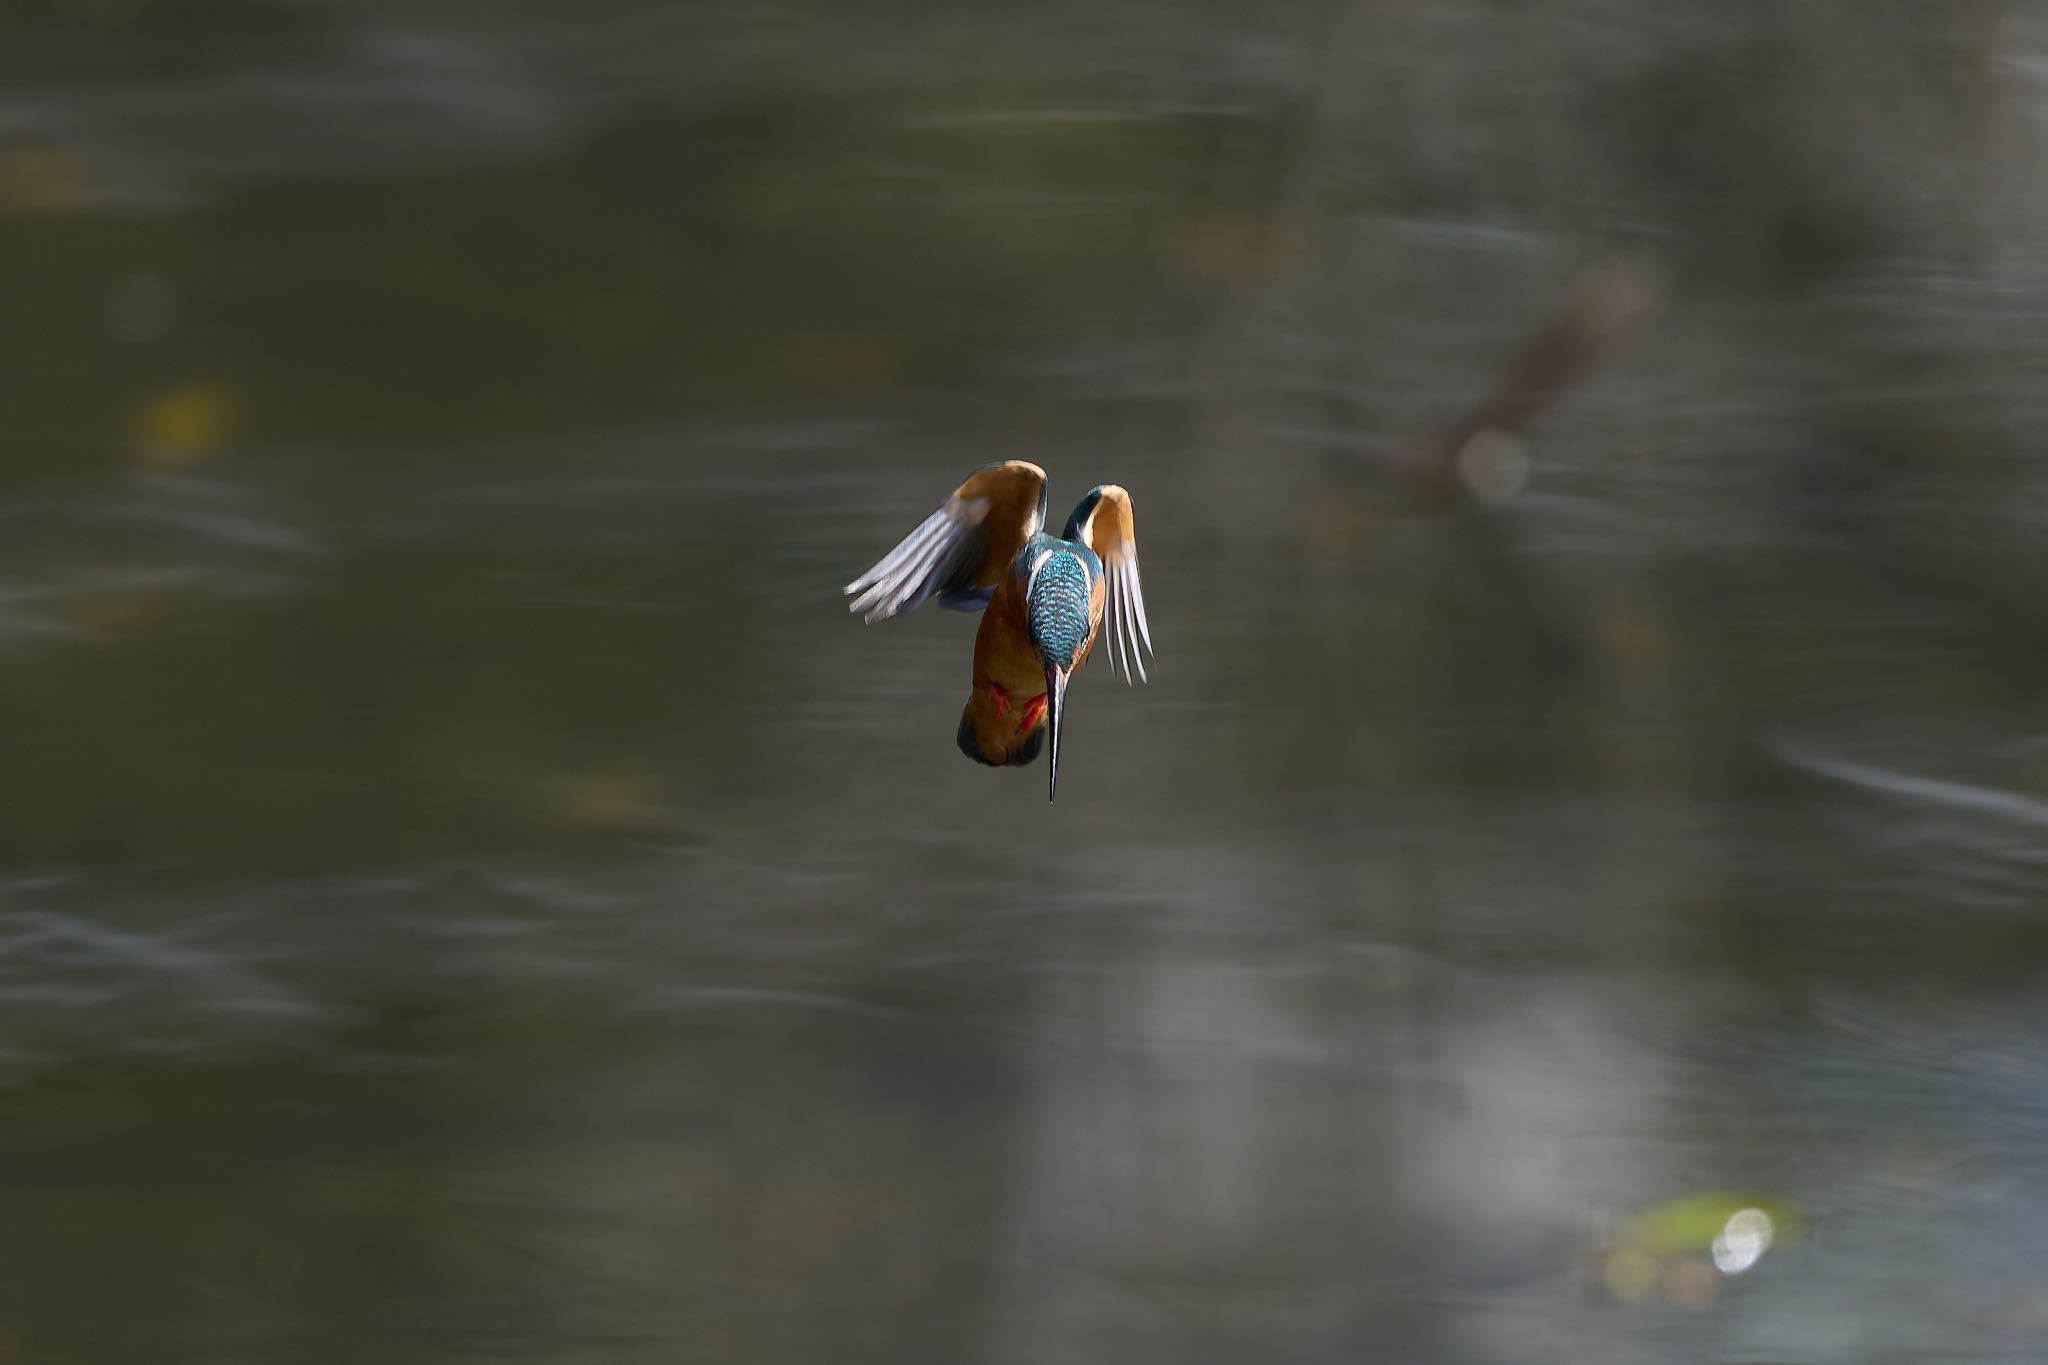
<point>959,551</point>
<point>1108,529</point>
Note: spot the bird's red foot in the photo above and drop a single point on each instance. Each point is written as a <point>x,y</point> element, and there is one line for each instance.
<point>1034,712</point>
<point>1000,697</point>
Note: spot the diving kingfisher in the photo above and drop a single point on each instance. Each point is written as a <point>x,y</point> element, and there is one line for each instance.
<point>1047,600</point>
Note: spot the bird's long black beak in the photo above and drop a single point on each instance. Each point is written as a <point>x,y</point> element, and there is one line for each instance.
<point>1055,710</point>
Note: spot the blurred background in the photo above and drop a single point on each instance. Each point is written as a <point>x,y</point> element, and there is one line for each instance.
<point>1571,891</point>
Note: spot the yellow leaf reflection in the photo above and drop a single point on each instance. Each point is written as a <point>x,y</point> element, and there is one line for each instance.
<point>1692,1223</point>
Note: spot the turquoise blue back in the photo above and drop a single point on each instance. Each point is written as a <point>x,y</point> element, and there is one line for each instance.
<point>1056,605</point>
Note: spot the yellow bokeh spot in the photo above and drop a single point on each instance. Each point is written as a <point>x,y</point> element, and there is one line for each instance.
<point>1217,249</point>
<point>1691,1284</point>
<point>606,798</point>
<point>41,179</point>
<point>1630,1274</point>
<point>184,424</point>
<point>836,366</point>
<point>766,198</point>
<point>121,611</point>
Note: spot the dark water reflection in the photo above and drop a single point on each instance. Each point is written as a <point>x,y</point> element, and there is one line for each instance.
<point>468,892</point>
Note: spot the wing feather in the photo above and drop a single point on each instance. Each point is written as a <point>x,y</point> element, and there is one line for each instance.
<point>962,548</point>
<point>1111,531</point>
<point>1118,660</point>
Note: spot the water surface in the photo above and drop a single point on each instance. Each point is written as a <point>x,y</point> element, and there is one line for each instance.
<point>469,892</point>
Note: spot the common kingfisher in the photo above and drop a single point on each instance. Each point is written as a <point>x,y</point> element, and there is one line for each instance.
<point>1047,599</point>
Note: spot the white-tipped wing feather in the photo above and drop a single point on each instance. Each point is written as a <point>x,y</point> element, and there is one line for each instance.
<point>1112,533</point>
<point>961,549</point>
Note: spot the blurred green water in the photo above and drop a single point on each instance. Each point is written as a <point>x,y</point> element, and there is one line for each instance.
<point>471,893</point>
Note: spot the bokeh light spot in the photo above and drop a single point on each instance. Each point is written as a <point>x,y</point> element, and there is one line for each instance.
<point>36,179</point>
<point>1743,1241</point>
<point>1494,465</point>
<point>1690,1284</point>
<point>185,423</point>
<point>140,307</point>
<point>1630,1274</point>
